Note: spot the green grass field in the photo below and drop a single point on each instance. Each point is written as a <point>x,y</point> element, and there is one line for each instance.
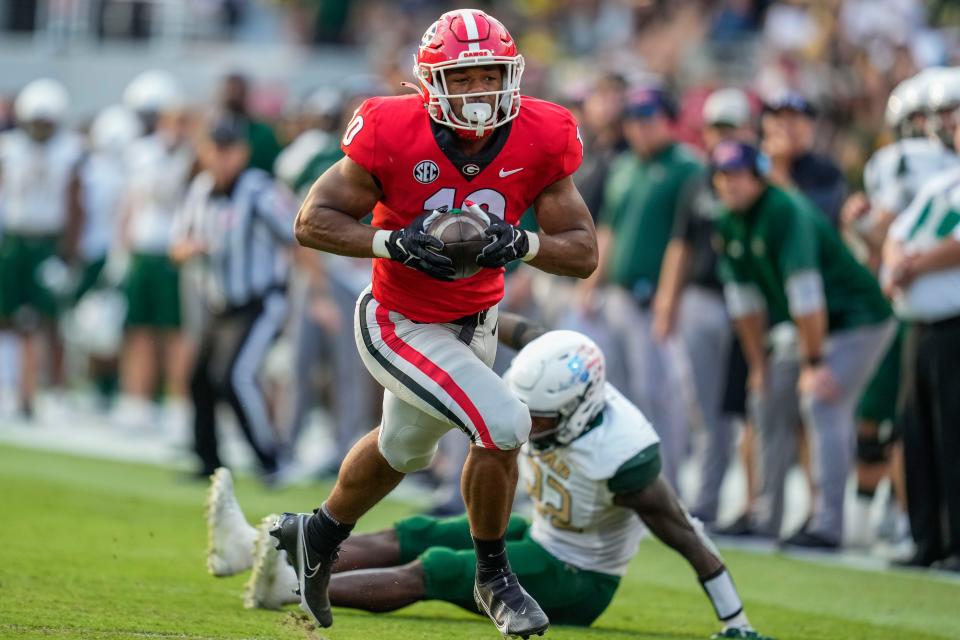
<point>92,549</point>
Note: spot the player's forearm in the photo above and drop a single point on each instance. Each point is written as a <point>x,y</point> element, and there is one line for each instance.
<point>945,255</point>
<point>325,229</point>
<point>569,253</point>
<point>673,273</point>
<point>751,329</point>
<point>811,331</point>
<point>516,331</point>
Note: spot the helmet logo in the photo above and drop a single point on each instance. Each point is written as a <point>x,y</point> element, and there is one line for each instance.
<point>426,171</point>
<point>429,34</point>
<point>471,169</point>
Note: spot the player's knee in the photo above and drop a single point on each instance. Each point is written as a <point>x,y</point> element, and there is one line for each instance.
<point>511,426</point>
<point>870,450</point>
<point>405,450</point>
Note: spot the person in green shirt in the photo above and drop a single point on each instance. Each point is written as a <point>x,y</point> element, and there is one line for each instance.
<point>643,191</point>
<point>782,262</point>
<point>264,146</point>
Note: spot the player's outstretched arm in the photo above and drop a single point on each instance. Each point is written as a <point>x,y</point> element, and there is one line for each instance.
<point>516,331</point>
<point>329,217</point>
<point>568,239</point>
<point>663,514</point>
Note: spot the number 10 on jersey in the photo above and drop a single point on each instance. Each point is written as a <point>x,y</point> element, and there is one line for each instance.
<point>491,200</point>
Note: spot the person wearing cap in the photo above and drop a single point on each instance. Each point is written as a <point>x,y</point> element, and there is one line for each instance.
<point>782,261</point>
<point>642,194</point>
<point>236,223</point>
<point>788,129</point>
<point>921,271</point>
<point>689,301</point>
<point>41,214</point>
<point>160,166</point>
<point>892,178</point>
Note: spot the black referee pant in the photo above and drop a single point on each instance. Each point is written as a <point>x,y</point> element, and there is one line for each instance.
<point>931,436</point>
<point>231,352</point>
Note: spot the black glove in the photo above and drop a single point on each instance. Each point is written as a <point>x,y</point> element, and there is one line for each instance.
<point>507,243</point>
<point>418,250</point>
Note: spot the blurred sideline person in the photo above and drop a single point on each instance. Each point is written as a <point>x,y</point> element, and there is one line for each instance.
<point>160,167</point>
<point>464,141</point>
<point>892,178</point>
<point>922,274</point>
<point>782,261</point>
<point>788,125</point>
<point>234,100</point>
<point>643,191</point>
<point>105,175</point>
<point>41,204</point>
<point>592,469</point>
<point>328,290</point>
<point>239,224</point>
<point>603,140</point>
<point>689,301</point>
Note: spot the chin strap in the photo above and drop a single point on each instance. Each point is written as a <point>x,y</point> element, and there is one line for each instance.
<point>410,85</point>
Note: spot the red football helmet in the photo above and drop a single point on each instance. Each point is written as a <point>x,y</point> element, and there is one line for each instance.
<point>468,38</point>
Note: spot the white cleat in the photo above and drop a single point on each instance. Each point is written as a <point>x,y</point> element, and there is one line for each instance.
<point>230,537</point>
<point>273,582</point>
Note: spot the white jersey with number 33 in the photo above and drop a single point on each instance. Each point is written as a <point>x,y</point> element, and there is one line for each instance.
<point>575,518</point>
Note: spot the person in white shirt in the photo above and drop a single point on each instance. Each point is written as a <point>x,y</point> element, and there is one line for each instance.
<point>41,204</point>
<point>160,167</point>
<point>921,272</point>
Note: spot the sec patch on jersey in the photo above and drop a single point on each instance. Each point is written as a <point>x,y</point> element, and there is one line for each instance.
<point>461,232</point>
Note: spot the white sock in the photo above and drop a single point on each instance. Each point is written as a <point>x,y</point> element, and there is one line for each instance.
<point>723,595</point>
<point>738,621</point>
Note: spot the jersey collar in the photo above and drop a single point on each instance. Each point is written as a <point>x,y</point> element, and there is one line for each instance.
<point>446,140</point>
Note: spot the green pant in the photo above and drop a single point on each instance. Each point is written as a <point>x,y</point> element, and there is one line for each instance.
<point>879,400</point>
<point>21,287</point>
<point>153,292</point>
<point>567,595</point>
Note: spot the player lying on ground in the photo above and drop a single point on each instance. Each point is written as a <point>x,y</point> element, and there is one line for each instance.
<point>591,466</point>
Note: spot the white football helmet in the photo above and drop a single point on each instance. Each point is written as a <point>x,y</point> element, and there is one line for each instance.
<point>154,92</point>
<point>561,374</point>
<point>114,128</point>
<point>906,99</point>
<point>42,99</point>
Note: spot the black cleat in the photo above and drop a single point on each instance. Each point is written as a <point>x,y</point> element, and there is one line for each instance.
<point>313,571</point>
<point>529,620</point>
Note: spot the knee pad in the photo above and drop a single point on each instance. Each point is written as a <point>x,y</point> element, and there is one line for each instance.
<point>510,427</point>
<point>407,449</point>
<point>870,449</point>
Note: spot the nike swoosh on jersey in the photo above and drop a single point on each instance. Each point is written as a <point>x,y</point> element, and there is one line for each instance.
<point>504,174</point>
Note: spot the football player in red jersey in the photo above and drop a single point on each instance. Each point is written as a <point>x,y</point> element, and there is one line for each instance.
<point>468,139</point>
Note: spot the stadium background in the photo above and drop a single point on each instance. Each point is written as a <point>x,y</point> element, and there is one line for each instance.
<point>844,56</point>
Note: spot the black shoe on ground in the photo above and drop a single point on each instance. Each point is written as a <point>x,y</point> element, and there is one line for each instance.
<point>919,560</point>
<point>805,540</point>
<point>739,528</point>
<point>950,563</point>
<point>491,599</point>
<point>313,570</point>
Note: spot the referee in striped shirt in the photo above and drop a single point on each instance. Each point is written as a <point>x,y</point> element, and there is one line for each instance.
<point>238,223</point>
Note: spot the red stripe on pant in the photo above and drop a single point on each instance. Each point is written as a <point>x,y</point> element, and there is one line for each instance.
<point>438,375</point>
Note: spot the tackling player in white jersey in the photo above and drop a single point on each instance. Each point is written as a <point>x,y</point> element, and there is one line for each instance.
<point>592,468</point>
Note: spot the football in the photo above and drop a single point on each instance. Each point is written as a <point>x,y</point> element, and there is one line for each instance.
<point>461,232</point>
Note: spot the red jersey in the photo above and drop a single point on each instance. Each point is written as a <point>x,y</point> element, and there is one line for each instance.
<point>419,169</point>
